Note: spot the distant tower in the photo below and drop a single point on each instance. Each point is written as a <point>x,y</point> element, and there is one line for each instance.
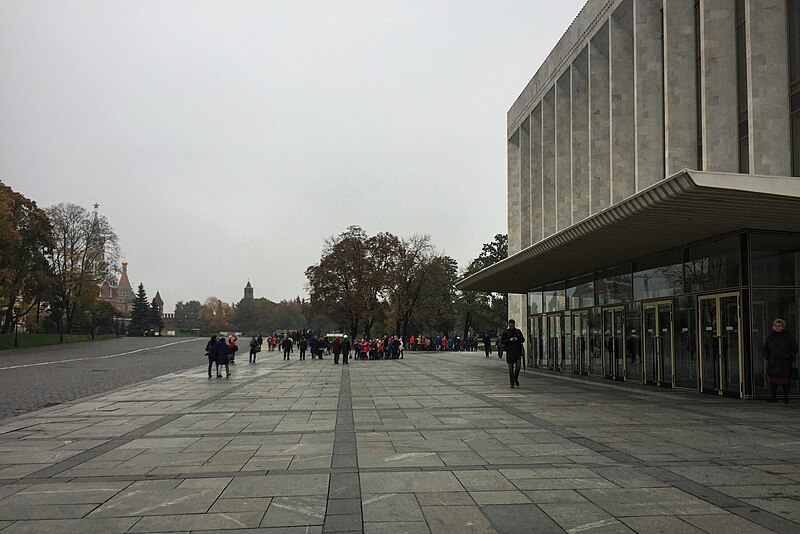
<point>124,290</point>
<point>248,291</point>
<point>158,302</point>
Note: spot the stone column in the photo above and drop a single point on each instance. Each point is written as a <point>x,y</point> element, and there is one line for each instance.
<point>623,153</point>
<point>649,95</point>
<point>514,235</point>
<point>580,136</point>
<point>549,163</point>
<point>536,174</point>
<point>718,85</point>
<point>768,87</point>
<point>563,152</point>
<point>525,184</point>
<point>599,122</point>
<point>680,86</point>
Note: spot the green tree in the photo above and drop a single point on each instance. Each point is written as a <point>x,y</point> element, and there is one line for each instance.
<point>479,311</point>
<point>187,315</point>
<point>26,278</point>
<point>140,314</point>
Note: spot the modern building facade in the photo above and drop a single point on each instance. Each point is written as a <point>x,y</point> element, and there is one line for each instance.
<point>652,194</point>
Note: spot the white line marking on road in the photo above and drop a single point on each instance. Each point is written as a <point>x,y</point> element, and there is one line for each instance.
<point>99,357</point>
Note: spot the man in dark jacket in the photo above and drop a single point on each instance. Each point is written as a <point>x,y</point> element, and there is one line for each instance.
<point>512,340</point>
<point>345,350</point>
<point>487,344</point>
<point>286,345</point>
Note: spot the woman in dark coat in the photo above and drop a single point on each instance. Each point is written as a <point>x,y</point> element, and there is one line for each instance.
<point>779,350</point>
<point>221,351</point>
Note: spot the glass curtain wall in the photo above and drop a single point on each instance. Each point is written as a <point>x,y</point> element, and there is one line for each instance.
<point>775,280</point>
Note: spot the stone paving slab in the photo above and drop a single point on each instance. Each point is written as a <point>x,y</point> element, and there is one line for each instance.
<point>433,443</point>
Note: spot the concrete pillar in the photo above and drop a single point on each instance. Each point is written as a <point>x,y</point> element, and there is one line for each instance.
<point>720,113</point>
<point>768,87</point>
<point>649,94</point>
<point>563,152</point>
<point>525,184</point>
<point>680,85</point>
<point>549,163</point>
<point>536,174</point>
<point>514,235</point>
<point>599,122</point>
<point>580,136</point>
<point>623,150</point>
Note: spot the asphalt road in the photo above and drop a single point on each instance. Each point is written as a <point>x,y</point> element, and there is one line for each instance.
<point>35,378</point>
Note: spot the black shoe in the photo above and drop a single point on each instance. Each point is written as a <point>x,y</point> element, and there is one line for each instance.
<point>219,376</point>
<point>228,375</point>
<point>517,383</point>
<point>512,386</point>
<point>209,376</point>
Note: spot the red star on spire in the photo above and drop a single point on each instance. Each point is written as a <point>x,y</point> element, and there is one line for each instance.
<point>96,205</point>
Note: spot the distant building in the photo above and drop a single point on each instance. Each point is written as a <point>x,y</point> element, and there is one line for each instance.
<point>120,295</point>
<point>248,291</point>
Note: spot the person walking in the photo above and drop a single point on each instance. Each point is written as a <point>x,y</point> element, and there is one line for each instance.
<point>337,349</point>
<point>254,348</point>
<point>232,347</point>
<point>210,353</point>
<point>487,344</point>
<point>345,350</point>
<point>500,346</point>
<point>221,356</point>
<point>512,340</point>
<point>779,350</point>
<point>303,347</point>
<point>287,347</point>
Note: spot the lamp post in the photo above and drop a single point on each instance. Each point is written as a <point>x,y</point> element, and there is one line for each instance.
<point>16,335</point>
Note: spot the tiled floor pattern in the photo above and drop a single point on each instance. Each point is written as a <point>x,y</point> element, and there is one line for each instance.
<point>427,444</point>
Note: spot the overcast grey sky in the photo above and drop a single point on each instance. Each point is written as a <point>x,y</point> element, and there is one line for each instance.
<point>225,140</point>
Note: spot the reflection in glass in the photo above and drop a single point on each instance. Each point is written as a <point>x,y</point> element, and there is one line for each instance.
<point>633,343</point>
<point>555,298</point>
<point>614,286</point>
<point>580,293</point>
<point>554,353</point>
<point>713,265</point>
<point>595,343</point>
<point>685,343</point>
<point>774,260</point>
<point>534,302</point>
<point>566,361</point>
<point>580,331</point>
<point>658,277</point>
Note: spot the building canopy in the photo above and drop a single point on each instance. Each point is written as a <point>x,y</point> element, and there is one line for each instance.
<point>687,207</point>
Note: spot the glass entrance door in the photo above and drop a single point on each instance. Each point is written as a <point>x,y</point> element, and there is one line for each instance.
<point>580,341</point>
<point>535,341</point>
<point>554,347</point>
<point>720,345</point>
<point>613,347</point>
<point>658,351</point>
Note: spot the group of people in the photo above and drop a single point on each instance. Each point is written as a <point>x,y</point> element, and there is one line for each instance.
<point>442,343</point>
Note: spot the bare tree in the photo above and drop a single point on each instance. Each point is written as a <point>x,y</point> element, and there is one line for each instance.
<point>85,252</point>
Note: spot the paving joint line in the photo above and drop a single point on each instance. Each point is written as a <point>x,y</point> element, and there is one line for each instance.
<point>94,452</point>
<point>343,511</point>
